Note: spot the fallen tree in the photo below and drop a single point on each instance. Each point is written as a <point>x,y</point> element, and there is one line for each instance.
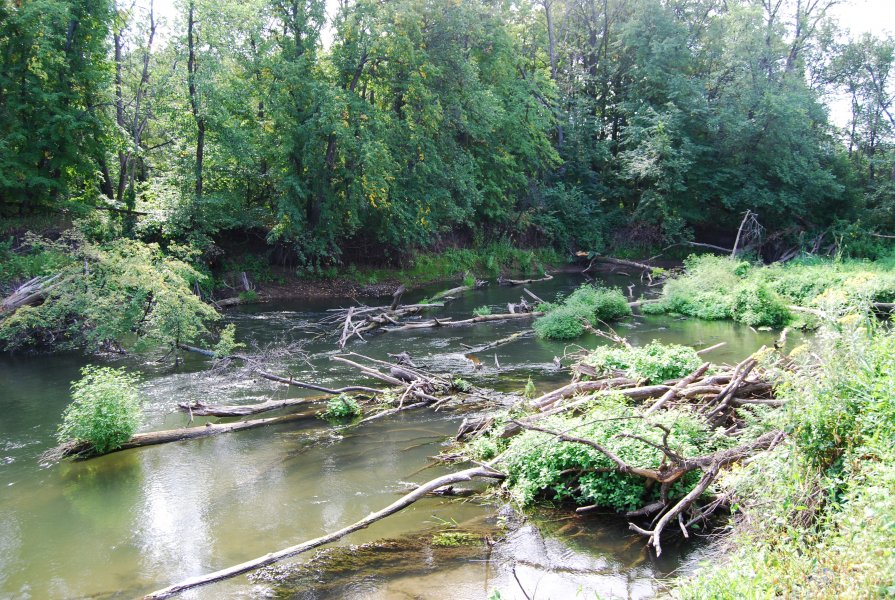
<point>420,492</point>
<point>152,438</point>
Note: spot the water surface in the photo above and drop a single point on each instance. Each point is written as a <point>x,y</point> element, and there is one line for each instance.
<point>128,523</point>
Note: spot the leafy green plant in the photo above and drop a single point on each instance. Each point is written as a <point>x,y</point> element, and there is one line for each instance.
<point>653,363</point>
<point>341,408</point>
<point>227,343</point>
<point>482,311</point>
<point>586,305</point>
<point>469,279</point>
<point>248,296</point>
<point>105,409</point>
<point>530,391</point>
<point>539,467</point>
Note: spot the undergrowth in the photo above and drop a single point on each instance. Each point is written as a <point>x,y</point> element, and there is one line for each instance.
<point>815,517</point>
<point>538,468</point>
<point>653,363</point>
<point>588,305</point>
<point>715,287</point>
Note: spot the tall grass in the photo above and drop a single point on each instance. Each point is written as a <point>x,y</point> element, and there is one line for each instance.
<point>715,287</point>
<point>815,517</point>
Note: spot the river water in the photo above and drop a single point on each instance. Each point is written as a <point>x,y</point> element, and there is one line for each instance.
<point>125,524</point>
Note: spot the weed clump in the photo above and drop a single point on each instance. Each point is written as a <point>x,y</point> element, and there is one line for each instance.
<point>482,311</point>
<point>588,305</point>
<point>828,529</point>
<point>653,363</point>
<point>341,408</point>
<point>538,468</point>
<point>105,409</point>
<point>714,287</point>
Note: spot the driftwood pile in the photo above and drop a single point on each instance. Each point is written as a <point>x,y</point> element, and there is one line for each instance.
<point>356,321</point>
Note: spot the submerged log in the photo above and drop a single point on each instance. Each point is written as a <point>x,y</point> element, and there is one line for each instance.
<point>268,559</point>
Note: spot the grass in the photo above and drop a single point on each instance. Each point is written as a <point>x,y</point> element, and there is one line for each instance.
<point>815,517</point>
<point>588,305</point>
<point>715,287</point>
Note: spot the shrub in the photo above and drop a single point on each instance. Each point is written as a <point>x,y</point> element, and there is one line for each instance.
<point>482,311</point>
<point>715,287</point>
<point>227,343</point>
<point>105,409</point>
<point>586,304</point>
<point>537,466</point>
<point>815,515</point>
<point>341,408</point>
<point>652,363</point>
<point>756,305</point>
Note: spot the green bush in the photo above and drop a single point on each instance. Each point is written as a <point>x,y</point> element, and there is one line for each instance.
<point>815,516</point>
<point>653,363</point>
<point>756,305</point>
<point>105,409</point>
<point>539,467</point>
<point>586,304</point>
<point>715,287</point>
<point>482,311</point>
<point>341,408</point>
<point>227,343</point>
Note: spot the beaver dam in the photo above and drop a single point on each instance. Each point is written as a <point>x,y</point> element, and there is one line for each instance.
<point>234,479</point>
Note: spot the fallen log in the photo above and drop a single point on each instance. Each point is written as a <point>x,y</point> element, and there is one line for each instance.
<point>547,277</point>
<point>474,320</point>
<point>614,261</point>
<point>33,291</point>
<point>153,438</point>
<point>274,557</point>
<point>452,293</point>
<point>579,387</point>
<point>501,342</point>
<point>242,410</point>
<point>677,387</point>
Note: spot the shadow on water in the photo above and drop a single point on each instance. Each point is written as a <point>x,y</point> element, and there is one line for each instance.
<point>130,522</point>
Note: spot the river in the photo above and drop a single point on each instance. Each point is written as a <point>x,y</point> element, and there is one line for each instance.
<point>130,522</point>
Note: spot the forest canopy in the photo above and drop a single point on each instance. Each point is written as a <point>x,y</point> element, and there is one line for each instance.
<point>366,130</point>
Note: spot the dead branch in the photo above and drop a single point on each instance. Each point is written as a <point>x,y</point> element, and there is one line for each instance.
<point>670,394</point>
<point>502,281</point>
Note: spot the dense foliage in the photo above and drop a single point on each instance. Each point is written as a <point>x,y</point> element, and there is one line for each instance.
<point>653,363</point>
<point>341,408</point>
<point>108,294</point>
<point>723,288</point>
<point>387,127</point>
<point>540,469</point>
<point>588,305</point>
<point>829,530</point>
<point>105,409</point>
